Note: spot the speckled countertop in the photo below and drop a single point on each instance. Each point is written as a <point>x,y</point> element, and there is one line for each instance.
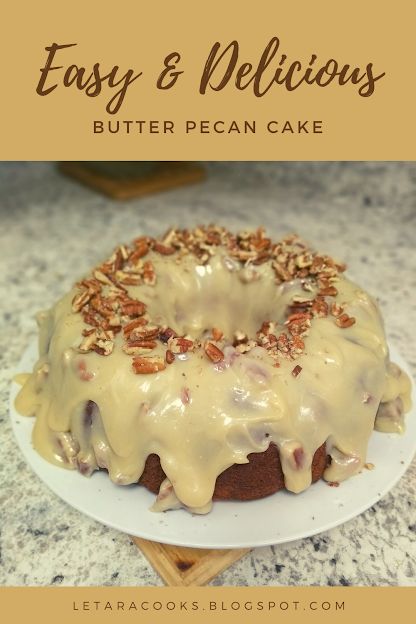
<point>52,230</point>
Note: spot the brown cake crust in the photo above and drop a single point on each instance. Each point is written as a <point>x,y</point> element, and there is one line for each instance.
<point>261,477</point>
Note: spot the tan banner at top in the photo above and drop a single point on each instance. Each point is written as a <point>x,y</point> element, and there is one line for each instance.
<point>219,80</point>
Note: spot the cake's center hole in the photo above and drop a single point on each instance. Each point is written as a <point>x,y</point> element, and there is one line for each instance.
<point>194,301</point>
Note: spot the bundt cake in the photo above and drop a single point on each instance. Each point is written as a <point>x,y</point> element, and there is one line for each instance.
<point>211,365</point>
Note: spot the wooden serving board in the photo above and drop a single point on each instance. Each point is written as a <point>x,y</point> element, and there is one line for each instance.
<point>179,566</point>
<point>127,180</point>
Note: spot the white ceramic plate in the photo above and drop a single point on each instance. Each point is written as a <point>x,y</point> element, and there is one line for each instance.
<point>279,518</point>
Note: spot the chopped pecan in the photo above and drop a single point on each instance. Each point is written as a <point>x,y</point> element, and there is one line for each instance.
<point>92,285</point>
<point>88,332</point>
<point>127,329</point>
<point>170,357</point>
<point>137,347</point>
<point>103,347</point>
<point>123,252</point>
<point>180,345</point>
<point>117,259</point>
<point>239,338</point>
<point>166,333</point>
<point>301,302</point>
<point>328,291</point>
<point>217,334</point>
<point>148,365</point>
<point>243,255</point>
<point>304,260</point>
<point>262,244</point>
<point>80,300</point>
<point>164,250</point>
<point>261,258</point>
<point>128,279</point>
<point>298,327</point>
<point>101,277</point>
<point>296,371</point>
<point>281,273</point>
<point>336,309</point>
<point>141,249</point>
<point>101,306</point>
<point>144,344</point>
<point>266,328</point>
<point>91,319</point>
<point>298,316</point>
<point>320,307</point>
<point>114,320</point>
<point>169,237</point>
<point>87,343</point>
<point>283,343</point>
<point>116,329</point>
<point>144,332</point>
<point>345,321</point>
<point>149,275</point>
<point>297,345</point>
<point>133,308</point>
<point>213,352</point>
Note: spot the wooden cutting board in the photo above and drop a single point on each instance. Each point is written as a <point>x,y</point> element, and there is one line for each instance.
<point>127,180</point>
<point>180,566</point>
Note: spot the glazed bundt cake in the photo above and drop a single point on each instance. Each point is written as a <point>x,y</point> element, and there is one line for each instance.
<point>211,365</point>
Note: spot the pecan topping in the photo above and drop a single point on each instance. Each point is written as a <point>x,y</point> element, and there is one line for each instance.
<point>133,308</point>
<point>239,338</point>
<point>167,333</point>
<point>328,291</point>
<point>144,344</point>
<point>142,248</point>
<point>80,300</point>
<point>127,329</point>
<point>128,279</point>
<point>213,352</point>
<point>336,310</point>
<point>88,342</point>
<point>320,307</point>
<point>216,333</point>
<point>297,370</point>
<point>170,357</point>
<point>164,250</point>
<point>139,347</point>
<point>149,275</point>
<point>101,277</point>
<point>148,365</point>
<point>108,303</point>
<point>180,345</point>
<point>344,321</point>
<point>98,340</point>
<point>266,328</point>
<point>144,332</point>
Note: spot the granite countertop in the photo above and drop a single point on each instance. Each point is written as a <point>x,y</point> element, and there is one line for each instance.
<point>52,230</point>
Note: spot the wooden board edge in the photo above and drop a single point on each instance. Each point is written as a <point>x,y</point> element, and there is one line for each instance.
<point>169,176</point>
<point>207,564</point>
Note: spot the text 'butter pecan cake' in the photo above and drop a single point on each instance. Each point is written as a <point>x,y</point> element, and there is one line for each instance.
<point>211,365</point>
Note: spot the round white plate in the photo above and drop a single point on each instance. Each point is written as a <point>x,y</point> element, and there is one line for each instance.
<point>279,518</point>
